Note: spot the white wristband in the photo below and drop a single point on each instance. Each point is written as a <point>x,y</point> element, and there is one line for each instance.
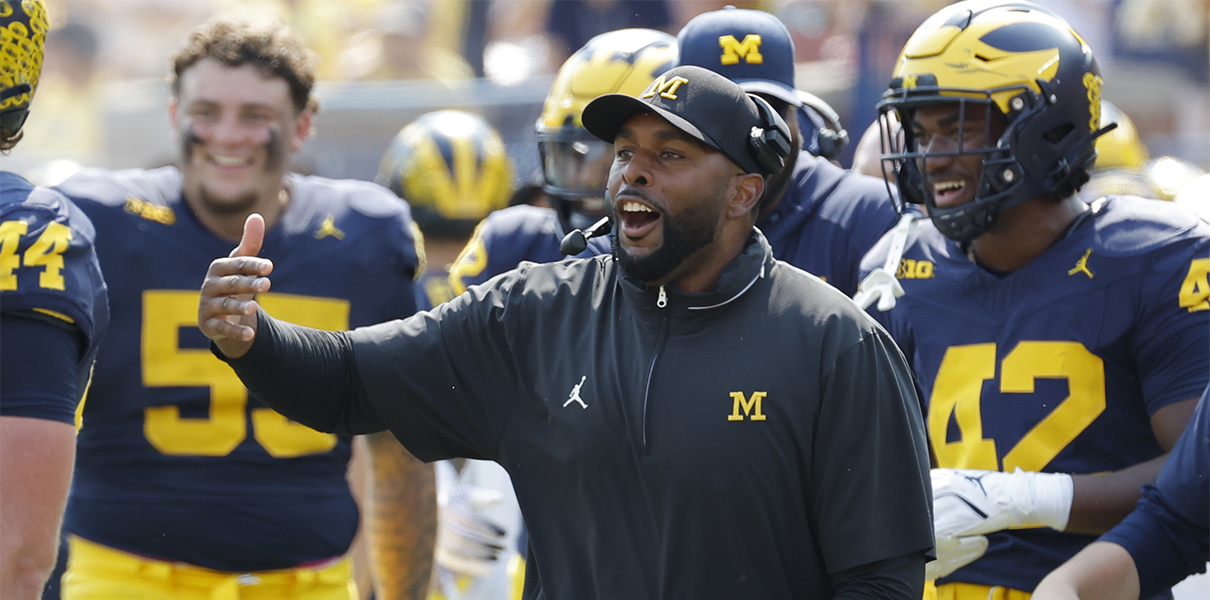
<point>1052,496</point>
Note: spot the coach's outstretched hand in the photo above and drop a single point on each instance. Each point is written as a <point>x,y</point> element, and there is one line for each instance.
<point>226,312</point>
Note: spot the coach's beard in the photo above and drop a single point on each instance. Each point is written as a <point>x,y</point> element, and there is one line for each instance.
<point>693,229</point>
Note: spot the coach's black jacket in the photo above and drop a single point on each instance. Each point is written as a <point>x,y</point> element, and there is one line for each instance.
<point>756,441</point>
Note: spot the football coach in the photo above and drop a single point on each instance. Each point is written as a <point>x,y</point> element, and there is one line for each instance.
<point>687,418</point>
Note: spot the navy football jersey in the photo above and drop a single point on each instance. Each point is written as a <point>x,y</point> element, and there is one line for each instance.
<point>49,271</point>
<point>509,236</point>
<point>176,461</point>
<point>827,220</point>
<point>1058,366</point>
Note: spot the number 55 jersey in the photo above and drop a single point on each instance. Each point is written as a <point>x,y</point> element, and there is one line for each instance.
<point>1058,366</point>
<point>176,461</point>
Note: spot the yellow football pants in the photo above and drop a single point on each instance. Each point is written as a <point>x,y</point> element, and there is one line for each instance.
<point>971,591</point>
<point>96,572</point>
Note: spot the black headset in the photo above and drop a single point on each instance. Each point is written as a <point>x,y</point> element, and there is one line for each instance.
<point>770,142</point>
<point>830,135</point>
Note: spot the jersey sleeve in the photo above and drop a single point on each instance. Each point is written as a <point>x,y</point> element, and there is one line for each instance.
<point>869,463</point>
<point>1174,328</point>
<point>444,381</point>
<point>39,369</point>
<point>1168,534</point>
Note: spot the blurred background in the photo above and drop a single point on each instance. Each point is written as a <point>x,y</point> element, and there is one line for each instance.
<point>102,99</point>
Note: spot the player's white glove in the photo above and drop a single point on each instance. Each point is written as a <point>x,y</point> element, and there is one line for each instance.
<point>953,553</point>
<point>881,284</point>
<point>969,502</point>
<point>468,543</point>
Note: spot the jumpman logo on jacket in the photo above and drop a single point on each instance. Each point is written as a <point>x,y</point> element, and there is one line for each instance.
<point>575,394</point>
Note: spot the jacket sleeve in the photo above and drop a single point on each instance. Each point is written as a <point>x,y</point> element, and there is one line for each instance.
<point>870,468</point>
<point>446,381</point>
<point>897,578</point>
<point>307,375</point>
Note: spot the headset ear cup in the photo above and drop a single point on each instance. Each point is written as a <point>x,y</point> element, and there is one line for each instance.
<point>771,145</point>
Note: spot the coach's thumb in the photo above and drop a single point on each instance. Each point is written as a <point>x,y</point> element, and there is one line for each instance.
<point>254,236</point>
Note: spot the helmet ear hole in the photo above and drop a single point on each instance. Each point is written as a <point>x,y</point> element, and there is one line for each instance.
<point>1058,133</point>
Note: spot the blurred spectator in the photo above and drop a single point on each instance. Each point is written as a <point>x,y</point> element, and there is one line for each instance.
<point>396,44</point>
<point>69,124</point>
<point>571,23</point>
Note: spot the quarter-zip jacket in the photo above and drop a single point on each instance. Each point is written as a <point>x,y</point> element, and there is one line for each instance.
<point>741,443</point>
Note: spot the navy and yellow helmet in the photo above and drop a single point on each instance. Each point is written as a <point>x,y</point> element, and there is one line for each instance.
<point>575,163</point>
<point>452,167</point>
<point>23,28</point>
<point>1016,63</point>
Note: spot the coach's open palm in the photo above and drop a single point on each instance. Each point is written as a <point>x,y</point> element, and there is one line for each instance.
<point>226,311</point>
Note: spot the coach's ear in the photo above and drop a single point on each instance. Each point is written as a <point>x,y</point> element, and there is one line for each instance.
<point>746,191</point>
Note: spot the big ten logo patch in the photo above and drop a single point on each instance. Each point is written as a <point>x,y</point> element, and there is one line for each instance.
<point>734,50</point>
<point>914,269</point>
<point>149,211</point>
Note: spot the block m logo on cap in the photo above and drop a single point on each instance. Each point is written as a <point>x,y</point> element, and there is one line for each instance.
<point>666,88</point>
<point>733,50</point>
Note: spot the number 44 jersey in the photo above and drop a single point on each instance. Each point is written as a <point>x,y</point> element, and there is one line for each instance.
<point>176,461</point>
<point>1057,366</point>
<point>49,272</point>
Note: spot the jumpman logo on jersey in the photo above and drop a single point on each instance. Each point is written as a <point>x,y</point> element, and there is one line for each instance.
<point>328,229</point>
<point>575,394</point>
<point>1082,265</point>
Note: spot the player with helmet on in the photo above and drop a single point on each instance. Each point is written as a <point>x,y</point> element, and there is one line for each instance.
<point>817,216</point>
<point>1060,346</point>
<point>575,164</point>
<point>452,168</point>
<point>53,312</point>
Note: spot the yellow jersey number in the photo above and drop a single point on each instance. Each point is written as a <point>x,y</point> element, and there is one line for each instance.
<point>470,262</point>
<point>46,252</point>
<point>166,364</point>
<point>956,394</point>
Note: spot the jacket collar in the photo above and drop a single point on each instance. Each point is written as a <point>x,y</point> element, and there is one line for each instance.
<point>739,276</point>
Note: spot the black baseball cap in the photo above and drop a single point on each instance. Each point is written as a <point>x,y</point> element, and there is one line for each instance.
<point>700,102</point>
<point>750,47</point>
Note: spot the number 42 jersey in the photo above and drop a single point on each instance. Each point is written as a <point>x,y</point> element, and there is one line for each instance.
<point>176,461</point>
<point>1058,366</point>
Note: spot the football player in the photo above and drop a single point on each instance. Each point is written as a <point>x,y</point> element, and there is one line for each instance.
<point>575,164</point>
<point>53,312</point>
<point>186,486</point>
<point>1060,346</point>
<point>452,168</point>
<point>817,216</point>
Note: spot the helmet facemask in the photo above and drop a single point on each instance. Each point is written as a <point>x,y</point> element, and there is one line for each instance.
<point>1013,59</point>
<point>1058,162</point>
<point>575,165</point>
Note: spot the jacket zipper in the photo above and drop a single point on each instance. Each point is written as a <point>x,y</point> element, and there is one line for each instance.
<point>661,302</point>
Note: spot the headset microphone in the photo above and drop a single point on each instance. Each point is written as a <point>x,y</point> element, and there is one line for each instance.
<point>577,241</point>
